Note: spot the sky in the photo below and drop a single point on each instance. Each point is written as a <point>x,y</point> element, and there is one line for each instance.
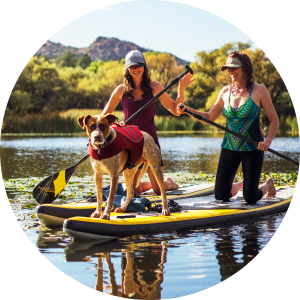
<point>176,28</point>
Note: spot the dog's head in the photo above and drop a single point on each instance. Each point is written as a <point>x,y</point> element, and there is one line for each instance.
<point>97,127</point>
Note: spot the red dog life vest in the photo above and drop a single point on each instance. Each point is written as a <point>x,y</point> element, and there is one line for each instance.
<point>127,137</point>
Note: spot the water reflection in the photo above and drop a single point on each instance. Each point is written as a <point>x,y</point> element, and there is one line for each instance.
<point>165,265</point>
<point>41,157</point>
<point>137,282</point>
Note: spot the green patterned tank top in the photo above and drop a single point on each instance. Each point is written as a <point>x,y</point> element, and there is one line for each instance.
<point>243,120</point>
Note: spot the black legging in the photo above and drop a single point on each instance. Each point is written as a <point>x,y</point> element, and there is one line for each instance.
<point>229,162</point>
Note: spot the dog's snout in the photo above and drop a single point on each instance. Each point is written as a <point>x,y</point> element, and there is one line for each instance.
<point>98,138</point>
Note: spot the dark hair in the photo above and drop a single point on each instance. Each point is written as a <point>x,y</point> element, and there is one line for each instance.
<point>247,67</point>
<point>145,84</point>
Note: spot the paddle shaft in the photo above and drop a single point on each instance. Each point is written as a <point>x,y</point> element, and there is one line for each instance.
<point>201,118</point>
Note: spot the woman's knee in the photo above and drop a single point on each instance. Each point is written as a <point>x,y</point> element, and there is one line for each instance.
<point>253,197</point>
<point>250,200</point>
<point>222,195</point>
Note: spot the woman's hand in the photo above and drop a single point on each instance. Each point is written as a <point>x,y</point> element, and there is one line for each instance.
<point>263,146</point>
<point>166,100</point>
<point>185,81</point>
<point>181,108</point>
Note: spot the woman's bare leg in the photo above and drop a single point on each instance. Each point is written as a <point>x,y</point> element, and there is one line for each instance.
<point>236,186</point>
<point>268,188</point>
<point>144,186</point>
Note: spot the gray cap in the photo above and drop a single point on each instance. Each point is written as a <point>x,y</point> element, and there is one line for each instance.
<point>232,63</point>
<point>134,57</point>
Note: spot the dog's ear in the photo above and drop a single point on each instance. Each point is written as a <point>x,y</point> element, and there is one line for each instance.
<point>83,120</point>
<point>111,118</point>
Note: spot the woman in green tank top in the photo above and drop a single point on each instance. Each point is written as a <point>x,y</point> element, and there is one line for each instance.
<point>241,102</point>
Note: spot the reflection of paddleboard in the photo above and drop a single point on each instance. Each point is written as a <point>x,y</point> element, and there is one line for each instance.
<point>55,214</point>
<point>196,212</point>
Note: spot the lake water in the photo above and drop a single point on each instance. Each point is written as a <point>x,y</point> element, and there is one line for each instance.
<point>40,157</point>
<point>158,266</point>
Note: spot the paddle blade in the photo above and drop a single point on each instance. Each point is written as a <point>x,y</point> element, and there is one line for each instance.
<point>51,187</point>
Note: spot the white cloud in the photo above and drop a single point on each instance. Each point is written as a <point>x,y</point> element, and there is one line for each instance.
<point>197,276</point>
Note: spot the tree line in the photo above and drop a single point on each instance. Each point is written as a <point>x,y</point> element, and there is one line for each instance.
<point>66,82</point>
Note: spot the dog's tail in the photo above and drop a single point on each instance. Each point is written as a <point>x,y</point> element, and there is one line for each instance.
<point>143,171</point>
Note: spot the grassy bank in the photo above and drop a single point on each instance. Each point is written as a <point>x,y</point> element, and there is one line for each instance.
<point>66,123</point>
<point>55,122</point>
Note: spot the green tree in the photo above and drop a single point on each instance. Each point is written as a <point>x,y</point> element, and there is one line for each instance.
<point>39,82</point>
<point>163,67</point>
<point>93,67</point>
<point>84,61</point>
<point>19,102</point>
<point>148,54</point>
<point>68,60</point>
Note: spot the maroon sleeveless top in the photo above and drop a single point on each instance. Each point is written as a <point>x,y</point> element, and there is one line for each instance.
<point>145,120</point>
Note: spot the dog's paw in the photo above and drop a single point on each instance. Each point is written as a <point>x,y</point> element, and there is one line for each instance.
<point>105,217</point>
<point>165,212</point>
<point>96,214</point>
<point>119,210</point>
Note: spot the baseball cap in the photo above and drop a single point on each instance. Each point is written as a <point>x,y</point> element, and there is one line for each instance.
<point>232,62</point>
<point>134,57</point>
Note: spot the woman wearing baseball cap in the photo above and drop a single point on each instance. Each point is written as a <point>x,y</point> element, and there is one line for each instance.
<point>241,102</point>
<point>138,89</point>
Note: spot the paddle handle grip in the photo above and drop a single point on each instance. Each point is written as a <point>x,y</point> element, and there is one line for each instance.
<point>174,81</point>
<point>201,118</point>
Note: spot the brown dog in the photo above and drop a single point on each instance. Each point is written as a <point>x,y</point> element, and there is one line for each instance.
<point>102,135</point>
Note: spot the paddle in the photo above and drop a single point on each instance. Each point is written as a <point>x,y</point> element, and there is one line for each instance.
<point>199,117</point>
<point>51,187</point>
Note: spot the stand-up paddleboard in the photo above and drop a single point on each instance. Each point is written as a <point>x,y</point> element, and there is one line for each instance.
<point>55,214</point>
<point>195,212</point>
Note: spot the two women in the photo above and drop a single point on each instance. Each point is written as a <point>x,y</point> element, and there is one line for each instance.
<point>240,101</point>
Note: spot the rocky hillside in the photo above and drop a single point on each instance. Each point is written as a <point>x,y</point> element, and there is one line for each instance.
<point>102,48</point>
<point>56,49</point>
